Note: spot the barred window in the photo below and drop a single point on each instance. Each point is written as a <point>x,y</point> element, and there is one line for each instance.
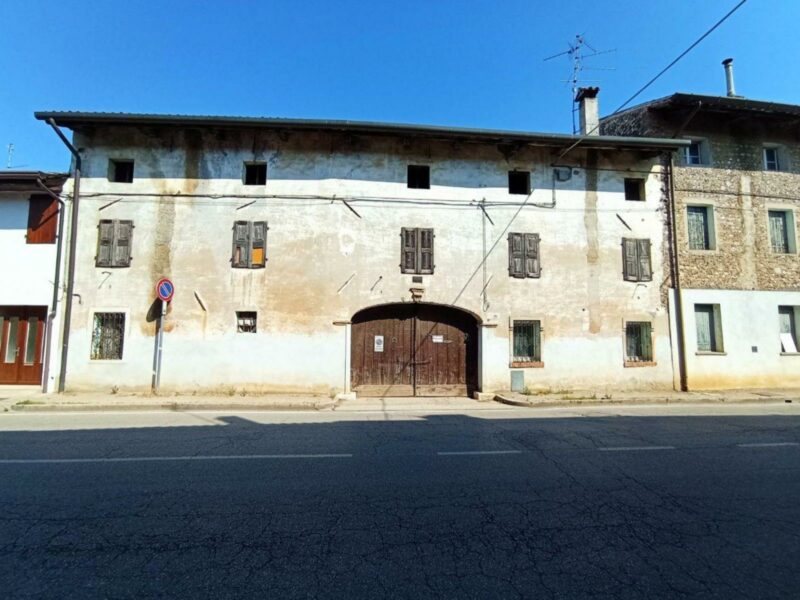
<point>246,321</point>
<point>527,340</point>
<point>108,336</point>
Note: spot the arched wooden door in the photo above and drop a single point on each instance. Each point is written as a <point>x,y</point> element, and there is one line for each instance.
<point>414,350</point>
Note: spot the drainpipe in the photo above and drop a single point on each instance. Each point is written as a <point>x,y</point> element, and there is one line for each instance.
<point>52,315</point>
<point>681,341</point>
<point>73,244</point>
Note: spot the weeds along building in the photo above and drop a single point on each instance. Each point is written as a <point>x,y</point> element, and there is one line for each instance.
<point>737,195</point>
<point>383,259</point>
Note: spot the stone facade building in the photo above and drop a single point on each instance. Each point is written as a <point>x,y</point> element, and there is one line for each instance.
<point>319,256</point>
<point>736,201</point>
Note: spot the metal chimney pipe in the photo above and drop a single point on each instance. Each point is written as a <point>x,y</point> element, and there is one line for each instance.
<point>728,64</point>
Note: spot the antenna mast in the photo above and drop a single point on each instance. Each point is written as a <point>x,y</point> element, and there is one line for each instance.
<point>9,161</point>
<point>577,55</point>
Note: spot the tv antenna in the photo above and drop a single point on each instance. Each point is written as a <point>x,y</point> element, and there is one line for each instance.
<point>577,52</point>
<point>10,156</point>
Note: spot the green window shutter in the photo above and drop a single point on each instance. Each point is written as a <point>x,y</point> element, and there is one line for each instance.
<point>408,250</point>
<point>630,261</point>
<point>258,251</point>
<point>516,255</point>
<point>643,256</point>
<point>532,264</point>
<point>704,322</point>
<point>698,227</point>
<point>123,232</point>
<point>778,231</point>
<point>425,245</point>
<point>241,244</point>
<point>105,243</point>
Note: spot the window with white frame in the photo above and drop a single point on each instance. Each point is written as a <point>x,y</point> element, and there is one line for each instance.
<point>781,231</point>
<point>638,342</point>
<point>700,227</point>
<point>772,161</point>
<point>708,322</point>
<point>787,318</point>
<point>695,153</point>
<point>527,341</point>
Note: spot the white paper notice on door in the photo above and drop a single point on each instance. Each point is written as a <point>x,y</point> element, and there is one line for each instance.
<point>378,343</point>
<point>787,341</point>
<point>437,339</point>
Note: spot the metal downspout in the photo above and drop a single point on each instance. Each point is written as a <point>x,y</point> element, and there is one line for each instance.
<point>56,277</point>
<point>73,244</point>
<point>681,341</point>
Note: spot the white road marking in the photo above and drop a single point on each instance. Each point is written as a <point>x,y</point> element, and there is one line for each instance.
<point>635,448</point>
<point>466,452</point>
<point>14,461</point>
<point>768,445</point>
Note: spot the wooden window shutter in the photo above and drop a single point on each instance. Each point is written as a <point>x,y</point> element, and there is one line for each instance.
<point>516,255</point>
<point>123,232</point>
<point>408,250</point>
<point>532,265</point>
<point>258,256</point>
<point>425,245</point>
<point>241,244</point>
<point>42,220</point>
<point>105,241</point>
<point>643,253</point>
<point>630,262</point>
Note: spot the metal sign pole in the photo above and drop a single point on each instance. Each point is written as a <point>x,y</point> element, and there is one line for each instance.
<point>159,345</point>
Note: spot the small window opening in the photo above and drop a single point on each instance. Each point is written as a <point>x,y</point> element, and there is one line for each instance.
<point>634,189</point>
<point>419,177</point>
<point>788,328</point>
<point>519,182</point>
<point>693,153</point>
<point>120,171</point>
<point>255,173</point>
<point>708,322</point>
<point>638,342</point>
<point>771,159</point>
<point>700,227</point>
<point>108,336</point>
<point>781,231</point>
<point>246,321</point>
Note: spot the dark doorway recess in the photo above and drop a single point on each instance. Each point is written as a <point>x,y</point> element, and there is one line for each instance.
<point>414,350</point>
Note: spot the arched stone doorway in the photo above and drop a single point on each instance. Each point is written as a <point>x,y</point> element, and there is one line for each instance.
<point>412,349</point>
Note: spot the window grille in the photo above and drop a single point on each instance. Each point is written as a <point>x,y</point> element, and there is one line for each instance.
<point>527,341</point>
<point>246,321</point>
<point>108,336</point>
<point>638,342</point>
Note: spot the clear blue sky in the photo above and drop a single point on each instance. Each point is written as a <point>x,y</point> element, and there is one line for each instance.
<point>464,63</point>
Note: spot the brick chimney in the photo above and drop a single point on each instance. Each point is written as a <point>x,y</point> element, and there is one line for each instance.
<point>589,112</point>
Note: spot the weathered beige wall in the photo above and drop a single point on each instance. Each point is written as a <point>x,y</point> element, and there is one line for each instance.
<point>325,263</point>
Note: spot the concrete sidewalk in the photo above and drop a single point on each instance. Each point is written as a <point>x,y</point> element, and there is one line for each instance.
<point>30,399</point>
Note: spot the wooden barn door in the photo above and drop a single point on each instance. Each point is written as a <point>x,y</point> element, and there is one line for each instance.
<point>414,350</point>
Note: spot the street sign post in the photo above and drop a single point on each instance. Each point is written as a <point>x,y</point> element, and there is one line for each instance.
<point>165,290</point>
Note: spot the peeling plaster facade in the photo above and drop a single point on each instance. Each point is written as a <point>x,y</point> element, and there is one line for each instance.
<point>741,273</point>
<point>325,263</point>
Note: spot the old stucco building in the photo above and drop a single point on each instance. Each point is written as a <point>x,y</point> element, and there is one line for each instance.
<point>385,259</point>
<point>737,194</point>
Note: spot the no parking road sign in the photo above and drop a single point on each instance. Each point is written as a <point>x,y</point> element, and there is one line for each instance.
<point>165,289</point>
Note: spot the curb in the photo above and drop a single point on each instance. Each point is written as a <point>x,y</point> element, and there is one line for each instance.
<point>173,406</point>
<point>652,400</point>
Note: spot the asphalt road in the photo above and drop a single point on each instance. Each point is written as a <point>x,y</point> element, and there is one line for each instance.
<point>488,504</point>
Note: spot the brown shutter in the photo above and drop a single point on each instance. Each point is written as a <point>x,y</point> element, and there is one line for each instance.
<point>42,220</point>
<point>408,250</point>
<point>425,245</point>
<point>259,245</point>
<point>123,231</point>
<point>516,255</point>
<point>645,269</point>
<point>630,262</point>
<point>532,266</point>
<point>241,244</point>
<point>105,239</point>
